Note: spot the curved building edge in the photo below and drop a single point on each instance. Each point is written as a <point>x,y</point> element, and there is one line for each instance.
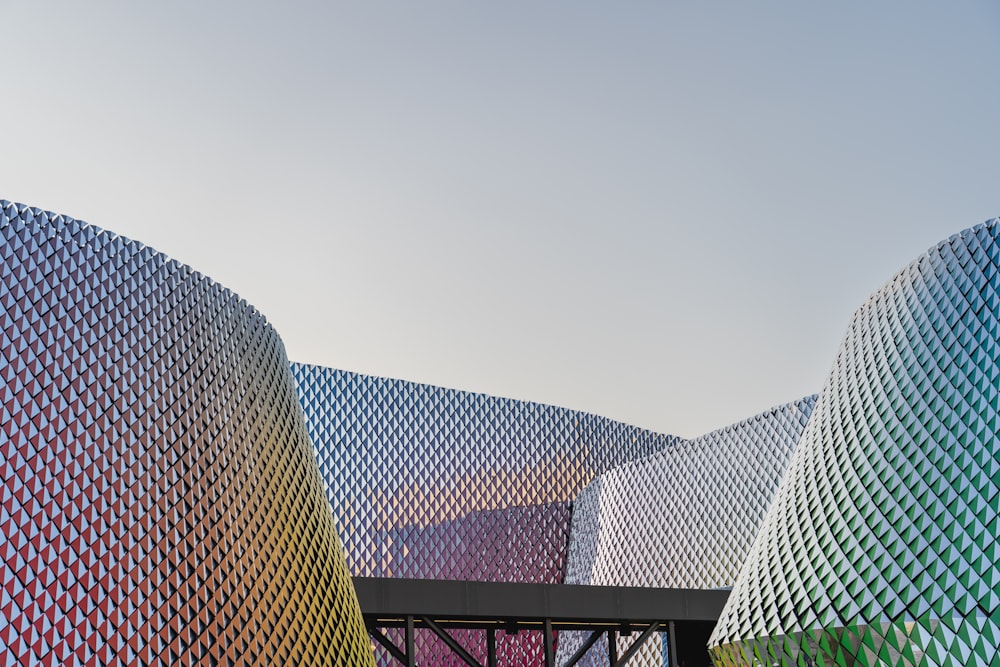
<point>684,517</point>
<point>441,483</point>
<point>161,503</point>
<point>880,547</point>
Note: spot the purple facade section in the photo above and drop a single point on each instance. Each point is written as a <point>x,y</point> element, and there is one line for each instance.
<point>440,483</point>
<point>434,483</point>
<point>485,541</point>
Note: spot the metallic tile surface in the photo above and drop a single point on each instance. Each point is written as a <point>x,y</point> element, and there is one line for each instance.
<point>160,502</point>
<point>881,545</point>
<point>419,474</point>
<point>428,482</point>
<point>684,517</point>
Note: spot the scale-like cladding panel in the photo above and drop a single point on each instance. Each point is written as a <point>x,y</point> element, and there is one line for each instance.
<point>881,545</point>
<point>403,459</point>
<point>483,538</point>
<point>436,483</point>
<point>160,502</point>
<point>684,517</point>
<point>479,540</point>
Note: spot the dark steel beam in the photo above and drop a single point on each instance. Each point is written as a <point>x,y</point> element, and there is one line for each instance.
<point>450,641</point>
<point>386,643</point>
<point>548,608</point>
<point>549,641</point>
<point>491,647</point>
<point>411,653</point>
<point>637,644</point>
<point>489,603</point>
<point>582,651</point>
<point>672,641</point>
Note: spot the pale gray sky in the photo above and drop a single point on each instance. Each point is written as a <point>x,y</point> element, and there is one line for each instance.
<point>660,212</point>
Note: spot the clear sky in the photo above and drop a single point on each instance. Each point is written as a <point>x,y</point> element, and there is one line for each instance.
<point>661,212</point>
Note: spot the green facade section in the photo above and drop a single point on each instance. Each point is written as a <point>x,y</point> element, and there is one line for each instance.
<point>881,545</point>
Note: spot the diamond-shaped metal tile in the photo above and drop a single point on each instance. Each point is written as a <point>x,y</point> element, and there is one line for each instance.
<point>881,545</point>
<point>684,517</point>
<point>442,484</point>
<point>160,503</point>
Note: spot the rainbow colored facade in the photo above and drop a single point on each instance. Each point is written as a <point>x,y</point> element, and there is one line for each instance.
<point>161,503</point>
<point>173,488</point>
<point>435,483</point>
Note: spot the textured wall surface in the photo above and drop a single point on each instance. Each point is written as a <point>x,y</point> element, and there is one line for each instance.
<point>881,545</point>
<point>437,483</point>
<point>684,517</point>
<point>160,501</point>
<point>405,460</point>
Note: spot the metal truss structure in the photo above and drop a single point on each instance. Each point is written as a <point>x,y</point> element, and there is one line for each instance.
<point>435,483</point>
<point>395,610</point>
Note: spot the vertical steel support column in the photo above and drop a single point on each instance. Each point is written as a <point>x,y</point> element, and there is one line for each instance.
<point>550,654</point>
<point>411,658</point>
<point>612,648</point>
<point>672,640</point>
<point>491,647</point>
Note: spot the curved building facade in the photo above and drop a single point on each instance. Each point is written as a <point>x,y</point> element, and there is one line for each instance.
<point>881,545</point>
<point>436,483</point>
<point>160,501</point>
<point>684,517</point>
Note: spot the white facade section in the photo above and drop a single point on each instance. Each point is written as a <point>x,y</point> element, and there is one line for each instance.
<point>684,517</point>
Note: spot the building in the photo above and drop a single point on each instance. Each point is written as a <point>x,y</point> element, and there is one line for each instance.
<point>161,503</point>
<point>173,488</point>
<point>436,483</point>
<point>684,517</point>
<point>881,546</point>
